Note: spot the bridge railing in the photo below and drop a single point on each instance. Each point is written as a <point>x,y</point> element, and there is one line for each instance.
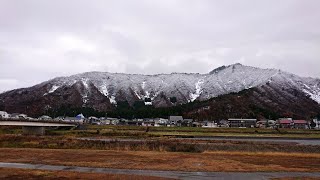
<point>37,120</point>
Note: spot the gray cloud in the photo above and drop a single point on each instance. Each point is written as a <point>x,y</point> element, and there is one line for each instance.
<point>40,40</point>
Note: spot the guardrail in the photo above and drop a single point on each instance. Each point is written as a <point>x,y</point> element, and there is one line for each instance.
<point>41,121</point>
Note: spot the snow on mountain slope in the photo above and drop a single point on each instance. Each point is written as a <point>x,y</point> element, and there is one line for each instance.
<point>185,87</point>
<point>313,90</point>
<point>158,89</point>
<point>194,96</point>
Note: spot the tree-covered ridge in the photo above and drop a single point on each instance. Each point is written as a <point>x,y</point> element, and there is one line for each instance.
<point>245,104</point>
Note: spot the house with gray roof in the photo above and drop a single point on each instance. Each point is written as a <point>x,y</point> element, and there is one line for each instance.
<point>175,120</point>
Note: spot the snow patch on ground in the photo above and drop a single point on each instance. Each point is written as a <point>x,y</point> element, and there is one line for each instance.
<point>104,90</point>
<point>85,83</point>
<point>148,103</point>
<point>53,89</point>
<point>85,99</point>
<point>194,96</point>
<point>143,85</point>
<point>137,94</point>
<point>155,95</point>
<point>313,93</point>
<point>113,100</point>
<point>85,96</point>
<point>147,95</point>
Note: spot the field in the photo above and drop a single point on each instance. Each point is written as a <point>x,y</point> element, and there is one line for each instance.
<point>159,148</point>
<point>173,161</point>
<point>197,131</point>
<point>147,132</point>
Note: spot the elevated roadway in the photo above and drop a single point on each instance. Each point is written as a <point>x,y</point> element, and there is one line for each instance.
<point>35,127</point>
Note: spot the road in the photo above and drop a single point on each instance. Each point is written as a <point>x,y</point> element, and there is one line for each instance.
<point>166,174</point>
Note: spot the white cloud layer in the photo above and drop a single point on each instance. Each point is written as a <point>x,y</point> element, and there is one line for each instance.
<point>43,39</point>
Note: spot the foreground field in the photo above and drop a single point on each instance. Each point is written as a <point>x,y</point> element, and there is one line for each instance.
<point>151,132</point>
<point>183,152</point>
<point>211,161</point>
<point>27,174</point>
<point>154,144</point>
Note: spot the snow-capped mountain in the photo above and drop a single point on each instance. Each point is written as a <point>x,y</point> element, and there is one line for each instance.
<point>102,90</point>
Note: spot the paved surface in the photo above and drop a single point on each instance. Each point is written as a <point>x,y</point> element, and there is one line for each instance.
<point>167,174</point>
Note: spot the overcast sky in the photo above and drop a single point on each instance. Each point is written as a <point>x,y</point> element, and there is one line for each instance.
<point>42,39</point>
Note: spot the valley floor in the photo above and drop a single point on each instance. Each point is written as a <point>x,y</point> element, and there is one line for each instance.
<point>122,151</point>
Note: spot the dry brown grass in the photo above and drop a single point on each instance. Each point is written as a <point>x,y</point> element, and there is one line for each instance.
<point>211,161</point>
<point>27,174</point>
<point>161,144</point>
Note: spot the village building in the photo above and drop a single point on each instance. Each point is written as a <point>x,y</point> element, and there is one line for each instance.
<point>175,120</point>
<point>300,124</point>
<point>59,118</point>
<point>285,123</point>
<point>4,115</point>
<point>78,119</point>
<point>109,120</point>
<point>114,121</point>
<point>242,123</point>
<point>105,121</point>
<point>18,116</point>
<point>160,122</point>
<point>45,118</point>
<point>80,116</point>
<point>209,124</point>
<point>317,123</point>
<point>266,123</point>
<point>132,122</point>
<point>187,122</point>
<point>196,124</point>
<point>148,122</point>
<point>123,122</point>
<point>94,120</point>
<point>223,123</point>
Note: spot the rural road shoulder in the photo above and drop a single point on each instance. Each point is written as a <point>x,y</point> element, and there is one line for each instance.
<point>166,174</point>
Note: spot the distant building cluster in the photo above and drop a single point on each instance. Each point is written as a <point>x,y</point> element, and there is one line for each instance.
<point>174,121</point>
